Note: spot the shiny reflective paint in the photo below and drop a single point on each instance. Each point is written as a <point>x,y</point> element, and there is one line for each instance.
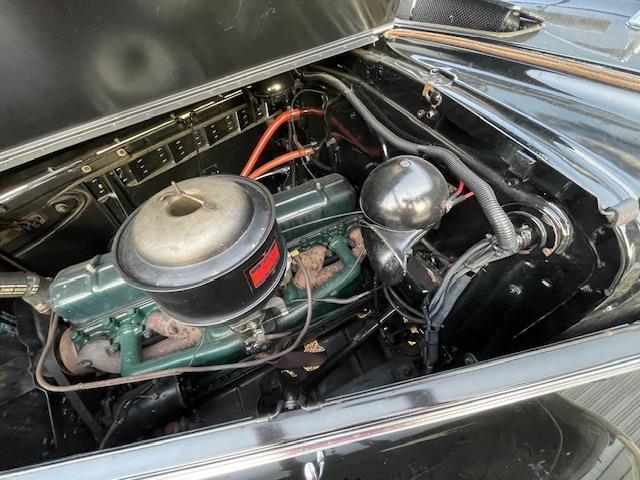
<point>590,133</point>
<point>585,130</point>
<point>384,413</point>
<point>542,438</point>
<point>103,66</point>
<point>592,30</point>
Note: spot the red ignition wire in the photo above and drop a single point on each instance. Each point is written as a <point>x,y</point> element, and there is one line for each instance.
<point>461,198</point>
<point>280,120</point>
<point>282,159</point>
<point>459,190</point>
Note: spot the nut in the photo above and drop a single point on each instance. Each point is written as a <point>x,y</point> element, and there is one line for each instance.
<point>85,169</point>
<point>515,289</point>
<point>61,207</point>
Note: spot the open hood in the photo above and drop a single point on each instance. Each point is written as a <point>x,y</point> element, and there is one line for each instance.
<point>102,66</point>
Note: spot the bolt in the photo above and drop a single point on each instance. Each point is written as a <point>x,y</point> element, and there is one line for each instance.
<point>470,359</point>
<point>121,152</point>
<point>86,169</point>
<point>61,207</point>
<point>42,308</point>
<point>515,289</point>
<point>546,251</point>
<point>90,267</point>
<point>107,323</point>
<point>512,181</point>
<point>421,113</point>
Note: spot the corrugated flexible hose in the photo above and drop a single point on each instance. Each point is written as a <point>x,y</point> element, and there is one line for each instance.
<point>500,223</point>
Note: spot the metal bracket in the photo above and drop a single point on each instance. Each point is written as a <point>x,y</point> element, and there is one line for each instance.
<point>434,80</point>
<point>623,212</point>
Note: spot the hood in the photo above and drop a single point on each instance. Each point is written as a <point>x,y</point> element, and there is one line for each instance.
<point>72,71</point>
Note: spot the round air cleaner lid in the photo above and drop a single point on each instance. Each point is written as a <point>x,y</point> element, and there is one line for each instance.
<point>188,223</point>
<point>193,232</point>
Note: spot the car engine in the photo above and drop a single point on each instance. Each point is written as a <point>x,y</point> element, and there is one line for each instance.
<point>303,237</point>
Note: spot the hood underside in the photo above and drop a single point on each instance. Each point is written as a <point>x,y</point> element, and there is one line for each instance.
<point>105,66</point>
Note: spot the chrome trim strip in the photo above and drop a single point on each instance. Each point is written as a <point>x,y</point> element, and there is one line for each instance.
<point>634,21</point>
<point>468,32</point>
<point>24,153</point>
<point>430,417</point>
<point>412,404</point>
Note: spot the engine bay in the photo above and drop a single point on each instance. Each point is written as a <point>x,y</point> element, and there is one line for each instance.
<point>326,231</point>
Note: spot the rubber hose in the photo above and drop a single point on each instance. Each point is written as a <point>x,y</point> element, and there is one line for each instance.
<point>500,222</point>
<point>281,160</point>
<point>403,304</point>
<point>497,217</point>
<point>450,300</point>
<point>455,268</point>
<point>401,312</point>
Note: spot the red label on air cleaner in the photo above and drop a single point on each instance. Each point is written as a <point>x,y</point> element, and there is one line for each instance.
<point>262,270</point>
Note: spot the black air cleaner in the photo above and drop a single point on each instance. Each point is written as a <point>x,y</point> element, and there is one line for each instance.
<point>208,250</point>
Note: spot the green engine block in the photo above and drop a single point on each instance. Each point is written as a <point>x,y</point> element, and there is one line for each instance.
<point>99,305</point>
